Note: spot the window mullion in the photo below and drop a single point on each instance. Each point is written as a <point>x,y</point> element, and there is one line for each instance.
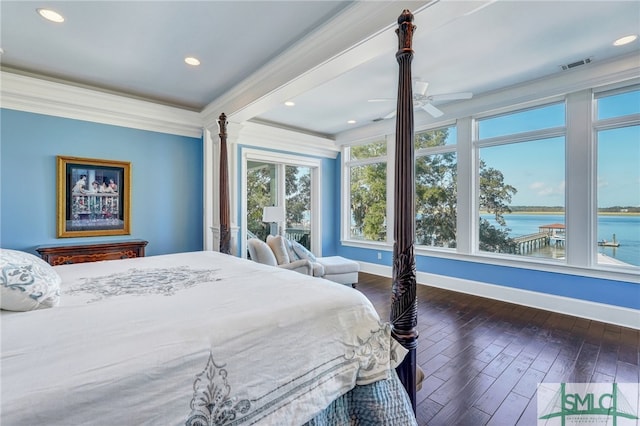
<point>466,194</point>
<point>581,211</point>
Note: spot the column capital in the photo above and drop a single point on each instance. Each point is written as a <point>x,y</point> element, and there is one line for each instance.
<point>233,131</point>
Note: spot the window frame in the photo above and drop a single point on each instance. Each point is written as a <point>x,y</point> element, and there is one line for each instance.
<point>436,150</point>
<point>511,139</point>
<point>580,183</point>
<point>347,164</point>
<point>281,160</point>
<point>598,126</point>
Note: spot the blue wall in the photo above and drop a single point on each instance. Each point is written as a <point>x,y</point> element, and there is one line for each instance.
<point>167,202</point>
<point>611,292</point>
<point>166,180</point>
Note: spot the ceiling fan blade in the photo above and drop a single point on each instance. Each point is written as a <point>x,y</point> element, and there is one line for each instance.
<point>390,115</point>
<point>420,87</point>
<point>435,112</point>
<point>451,96</point>
<point>381,100</point>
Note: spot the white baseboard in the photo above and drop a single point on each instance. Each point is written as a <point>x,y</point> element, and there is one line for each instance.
<point>611,314</point>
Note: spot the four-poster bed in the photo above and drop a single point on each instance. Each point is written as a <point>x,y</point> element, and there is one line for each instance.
<point>404,308</point>
<point>204,338</point>
<point>225,221</point>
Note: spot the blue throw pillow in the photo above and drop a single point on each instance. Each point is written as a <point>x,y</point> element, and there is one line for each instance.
<point>302,251</point>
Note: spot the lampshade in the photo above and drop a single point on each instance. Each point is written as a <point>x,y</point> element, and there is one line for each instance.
<point>273,214</point>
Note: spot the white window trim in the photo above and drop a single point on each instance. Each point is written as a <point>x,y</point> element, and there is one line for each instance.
<point>347,163</point>
<point>580,178</point>
<point>315,166</point>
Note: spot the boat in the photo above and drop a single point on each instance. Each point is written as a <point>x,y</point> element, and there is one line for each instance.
<point>605,243</point>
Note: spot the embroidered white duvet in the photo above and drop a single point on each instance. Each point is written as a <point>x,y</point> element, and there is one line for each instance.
<point>191,338</point>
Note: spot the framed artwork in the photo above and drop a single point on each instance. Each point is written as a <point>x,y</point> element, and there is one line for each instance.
<point>94,197</point>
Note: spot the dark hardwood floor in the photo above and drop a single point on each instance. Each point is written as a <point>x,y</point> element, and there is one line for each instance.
<point>483,358</point>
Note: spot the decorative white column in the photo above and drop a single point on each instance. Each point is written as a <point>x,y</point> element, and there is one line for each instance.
<point>212,182</point>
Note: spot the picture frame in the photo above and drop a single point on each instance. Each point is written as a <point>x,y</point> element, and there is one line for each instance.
<point>94,197</point>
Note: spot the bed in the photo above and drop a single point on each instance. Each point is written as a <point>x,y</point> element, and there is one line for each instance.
<point>205,338</point>
<point>189,338</point>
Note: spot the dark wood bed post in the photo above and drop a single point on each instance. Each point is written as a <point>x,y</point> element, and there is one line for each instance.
<point>225,226</point>
<point>404,308</point>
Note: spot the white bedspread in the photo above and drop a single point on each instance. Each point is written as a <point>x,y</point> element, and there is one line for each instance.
<point>190,338</point>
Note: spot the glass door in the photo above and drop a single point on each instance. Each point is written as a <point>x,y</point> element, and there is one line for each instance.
<point>288,181</point>
<point>298,204</point>
<point>261,192</point>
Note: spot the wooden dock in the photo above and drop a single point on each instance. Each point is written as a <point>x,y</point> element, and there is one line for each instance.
<point>530,242</point>
<point>546,235</point>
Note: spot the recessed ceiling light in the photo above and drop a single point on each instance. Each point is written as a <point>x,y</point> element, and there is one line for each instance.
<point>192,61</point>
<point>290,103</point>
<point>50,15</point>
<point>351,122</point>
<point>625,40</point>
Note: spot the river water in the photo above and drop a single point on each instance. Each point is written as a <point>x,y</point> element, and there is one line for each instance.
<point>625,227</point>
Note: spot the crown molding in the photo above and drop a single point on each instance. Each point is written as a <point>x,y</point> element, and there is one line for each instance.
<point>40,96</point>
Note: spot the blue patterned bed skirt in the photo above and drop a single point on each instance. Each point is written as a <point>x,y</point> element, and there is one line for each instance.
<point>384,403</point>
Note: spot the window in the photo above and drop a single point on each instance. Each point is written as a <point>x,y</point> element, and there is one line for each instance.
<point>279,179</point>
<point>556,184</point>
<point>436,187</point>
<point>298,204</point>
<point>367,173</point>
<point>261,191</point>
<point>521,172</point>
<point>618,178</point>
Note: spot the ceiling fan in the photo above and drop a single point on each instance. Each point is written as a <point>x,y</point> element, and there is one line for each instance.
<point>424,101</point>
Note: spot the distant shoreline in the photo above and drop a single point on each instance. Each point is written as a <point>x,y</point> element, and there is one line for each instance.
<point>559,213</point>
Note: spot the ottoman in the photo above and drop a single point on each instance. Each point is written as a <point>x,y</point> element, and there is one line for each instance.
<point>340,269</point>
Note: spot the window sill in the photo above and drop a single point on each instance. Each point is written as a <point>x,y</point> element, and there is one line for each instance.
<point>626,274</point>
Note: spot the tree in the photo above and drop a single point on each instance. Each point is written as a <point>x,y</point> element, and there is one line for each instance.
<point>495,197</point>
<point>436,197</point>
<point>369,193</point>
<point>436,191</point>
<point>258,196</point>
<point>298,194</point>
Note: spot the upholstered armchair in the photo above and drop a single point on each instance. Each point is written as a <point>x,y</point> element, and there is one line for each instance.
<point>281,252</point>
<point>260,252</point>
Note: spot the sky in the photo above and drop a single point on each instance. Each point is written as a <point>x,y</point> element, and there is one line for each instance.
<point>536,168</point>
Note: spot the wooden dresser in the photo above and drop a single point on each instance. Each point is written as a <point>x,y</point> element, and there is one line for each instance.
<point>62,254</point>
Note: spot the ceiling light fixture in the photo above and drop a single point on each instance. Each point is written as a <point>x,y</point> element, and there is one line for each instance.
<point>625,40</point>
<point>50,15</point>
<point>290,103</point>
<point>194,62</point>
<point>351,122</point>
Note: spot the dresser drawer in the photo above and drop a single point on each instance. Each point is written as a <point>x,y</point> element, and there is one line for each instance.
<point>81,253</point>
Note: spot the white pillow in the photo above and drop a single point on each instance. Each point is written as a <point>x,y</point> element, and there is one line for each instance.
<point>279,248</point>
<point>27,282</point>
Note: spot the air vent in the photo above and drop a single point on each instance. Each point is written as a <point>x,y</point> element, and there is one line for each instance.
<point>377,119</point>
<point>576,64</point>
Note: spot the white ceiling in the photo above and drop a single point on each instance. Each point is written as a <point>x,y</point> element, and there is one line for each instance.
<point>329,57</point>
